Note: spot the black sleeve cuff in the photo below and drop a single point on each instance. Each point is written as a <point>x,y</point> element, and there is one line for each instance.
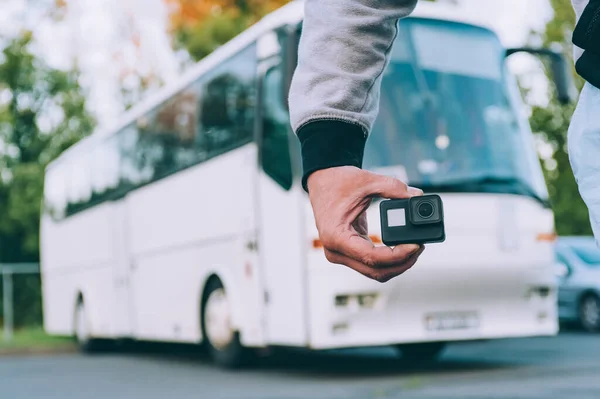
<point>587,32</point>
<point>329,143</point>
<point>588,67</point>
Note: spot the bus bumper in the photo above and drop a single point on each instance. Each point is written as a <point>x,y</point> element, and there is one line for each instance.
<point>492,302</point>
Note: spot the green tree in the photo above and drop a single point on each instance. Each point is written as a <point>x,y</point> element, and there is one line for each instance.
<point>551,123</point>
<point>42,112</point>
<point>201,26</point>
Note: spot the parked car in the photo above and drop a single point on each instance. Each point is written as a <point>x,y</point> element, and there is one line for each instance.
<point>579,289</point>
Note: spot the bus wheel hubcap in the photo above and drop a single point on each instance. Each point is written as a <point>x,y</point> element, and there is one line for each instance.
<point>218,320</point>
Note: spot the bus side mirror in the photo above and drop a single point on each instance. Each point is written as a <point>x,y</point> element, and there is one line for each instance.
<point>563,79</point>
<point>560,69</point>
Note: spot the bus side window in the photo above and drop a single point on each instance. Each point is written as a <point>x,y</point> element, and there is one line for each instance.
<point>104,164</point>
<point>55,192</point>
<point>276,161</point>
<point>79,184</point>
<point>162,141</point>
<point>226,105</point>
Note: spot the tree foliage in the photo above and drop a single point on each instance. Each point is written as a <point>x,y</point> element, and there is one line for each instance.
<point>42,112</point>
<point>551,123</point>
<point>201,26</point>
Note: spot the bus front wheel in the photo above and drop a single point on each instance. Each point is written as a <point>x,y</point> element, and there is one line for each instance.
<point>222,341</point>
<point>86,343</point>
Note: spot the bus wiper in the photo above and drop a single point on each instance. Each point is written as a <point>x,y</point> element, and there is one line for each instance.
<point>513,185</point>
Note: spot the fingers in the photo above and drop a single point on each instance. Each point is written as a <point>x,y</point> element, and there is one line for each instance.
<point>361,226</point>
<point>340,197</point>
<point>381,275</point>
<point>365,252</point>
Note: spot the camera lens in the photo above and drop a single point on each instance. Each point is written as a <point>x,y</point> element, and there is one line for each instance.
<point>425,210</point>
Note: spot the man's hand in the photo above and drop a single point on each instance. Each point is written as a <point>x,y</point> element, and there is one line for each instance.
<point>340,197</point>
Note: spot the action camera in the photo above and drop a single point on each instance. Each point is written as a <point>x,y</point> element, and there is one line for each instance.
<point>417,220</point>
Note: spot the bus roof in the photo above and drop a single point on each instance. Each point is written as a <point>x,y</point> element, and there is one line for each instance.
<point>291,13</point>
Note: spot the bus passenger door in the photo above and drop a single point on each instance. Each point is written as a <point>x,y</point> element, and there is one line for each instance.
<point>122,267</point>
<point>280,221</point>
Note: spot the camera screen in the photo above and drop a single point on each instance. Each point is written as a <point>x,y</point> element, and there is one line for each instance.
<point>396,217</point>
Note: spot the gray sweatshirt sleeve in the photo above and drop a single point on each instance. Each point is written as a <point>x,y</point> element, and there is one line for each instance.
<point>334,96</point>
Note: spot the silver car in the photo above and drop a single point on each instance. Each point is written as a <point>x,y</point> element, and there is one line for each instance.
<point>579,289</point>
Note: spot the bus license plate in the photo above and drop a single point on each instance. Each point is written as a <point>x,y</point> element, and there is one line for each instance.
<point>451,321</point>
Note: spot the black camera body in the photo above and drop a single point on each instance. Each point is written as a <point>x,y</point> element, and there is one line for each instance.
<point>417,220</point>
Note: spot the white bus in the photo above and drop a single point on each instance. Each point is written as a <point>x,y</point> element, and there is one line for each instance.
<point>187,222</point>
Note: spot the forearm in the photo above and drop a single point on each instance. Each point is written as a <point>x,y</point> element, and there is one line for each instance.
<point>334,97</point>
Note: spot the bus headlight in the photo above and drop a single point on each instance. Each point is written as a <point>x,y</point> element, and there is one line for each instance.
<point>367,301</point>
<point>357,301</point>
<point>341,301</point>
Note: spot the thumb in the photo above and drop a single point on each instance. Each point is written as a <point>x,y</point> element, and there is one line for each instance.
<point>390,187</point>
<point>415,192</point>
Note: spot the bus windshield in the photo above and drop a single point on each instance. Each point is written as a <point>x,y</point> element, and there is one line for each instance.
<point>449,117</point>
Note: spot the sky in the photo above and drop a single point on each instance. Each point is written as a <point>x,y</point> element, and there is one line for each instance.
<point>98,36</point>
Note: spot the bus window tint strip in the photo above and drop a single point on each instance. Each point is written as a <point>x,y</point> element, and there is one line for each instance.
<point>212,116</point>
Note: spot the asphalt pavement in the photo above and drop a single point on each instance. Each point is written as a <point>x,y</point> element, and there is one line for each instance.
<point>567,366</point>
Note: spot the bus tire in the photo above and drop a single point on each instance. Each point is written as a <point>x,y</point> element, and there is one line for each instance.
<point>422,353</point>
<point>222,342</point>
<point>589,312</point>
<point>85,342</point>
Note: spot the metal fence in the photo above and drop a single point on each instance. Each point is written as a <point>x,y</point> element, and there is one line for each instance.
<point>7,271</point>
